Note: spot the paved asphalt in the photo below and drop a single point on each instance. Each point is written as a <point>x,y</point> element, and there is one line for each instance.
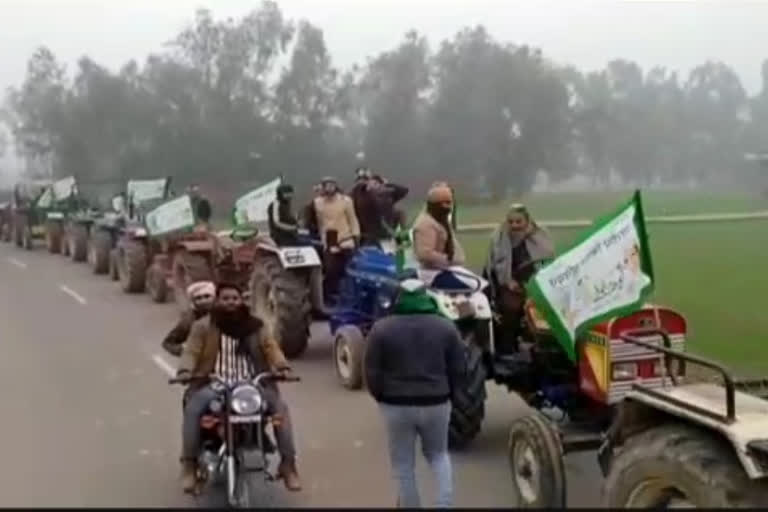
<point>89,420</point>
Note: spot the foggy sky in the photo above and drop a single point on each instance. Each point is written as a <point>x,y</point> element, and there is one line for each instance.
<point>678,35</point>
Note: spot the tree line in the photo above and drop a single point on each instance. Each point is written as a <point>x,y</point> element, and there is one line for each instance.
<point>239,101</point>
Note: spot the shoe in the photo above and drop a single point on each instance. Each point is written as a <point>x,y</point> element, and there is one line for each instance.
<point>189,476</point>
<point>287,472</point>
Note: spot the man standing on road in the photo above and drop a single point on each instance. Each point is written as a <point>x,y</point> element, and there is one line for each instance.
<point>235,345</point>
<point>201,295</point>
<point>414,360</point>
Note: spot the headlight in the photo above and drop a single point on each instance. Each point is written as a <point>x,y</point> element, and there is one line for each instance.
<point>139,232</point>
<point>246,399</point>
<point>624,371</point>
<point>385,301</point>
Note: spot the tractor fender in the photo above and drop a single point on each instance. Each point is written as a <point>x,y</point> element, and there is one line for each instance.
<point>196,245</point>
<point>640,411</point>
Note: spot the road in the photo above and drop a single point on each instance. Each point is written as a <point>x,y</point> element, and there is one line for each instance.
<point>89,420</point>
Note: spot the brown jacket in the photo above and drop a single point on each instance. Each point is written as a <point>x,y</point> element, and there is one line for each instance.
<point>429,240</point>
<point>202,347</point>
<point>337,212</point>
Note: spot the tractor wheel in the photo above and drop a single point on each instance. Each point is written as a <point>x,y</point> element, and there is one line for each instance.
<point>281,298</point>
<point>18,234</point>
<point>78,243</point>
<point>157,285</point>
<point>53,236</point>
<point>99,247</point>
<point>468,404</point>
<point>65,237</point>
<point>132,265</point>
<point>114,265</point>
<point>679,465</point>
<point>188,268</point>
<point>536,461</point>
<point>348,356</point>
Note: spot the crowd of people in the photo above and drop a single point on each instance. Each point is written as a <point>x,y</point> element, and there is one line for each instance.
<point>414,357</point>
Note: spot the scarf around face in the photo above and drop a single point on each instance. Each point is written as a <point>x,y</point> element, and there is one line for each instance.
<point>238,324</point>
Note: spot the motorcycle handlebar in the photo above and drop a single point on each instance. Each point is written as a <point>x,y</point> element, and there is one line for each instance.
<point>271,376</point>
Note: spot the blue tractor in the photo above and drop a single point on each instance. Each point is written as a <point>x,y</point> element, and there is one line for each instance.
<point>366,293</point>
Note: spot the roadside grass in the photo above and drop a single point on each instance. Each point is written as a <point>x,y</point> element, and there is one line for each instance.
<point>714,274</point>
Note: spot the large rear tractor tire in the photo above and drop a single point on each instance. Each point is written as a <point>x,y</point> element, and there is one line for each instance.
<point>188,268</point>
<point>281,298</point>
<point>536,461</point>
<point>132,266</point>
<point>157,285</point>
<point>99,247</point>
<point>349,356</point>
<point>78,243</point>
<point>468,404</point>
<point>53,236</point>
<point>683,466</point>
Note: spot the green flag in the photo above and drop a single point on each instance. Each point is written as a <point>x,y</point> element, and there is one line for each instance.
<point>606,273</point>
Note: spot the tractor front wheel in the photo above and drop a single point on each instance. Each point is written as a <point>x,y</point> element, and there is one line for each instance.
<point>78,243</point>
<point>132,266</point>
<point>348,356</point>
<point>281,298</point>
<point>536,461</point>
<point>99,247</point>
<point>677,465</point>
<point>468,403</point>
<point>53,236</point>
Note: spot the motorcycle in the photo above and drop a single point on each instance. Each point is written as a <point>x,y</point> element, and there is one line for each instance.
<point>233,428</point>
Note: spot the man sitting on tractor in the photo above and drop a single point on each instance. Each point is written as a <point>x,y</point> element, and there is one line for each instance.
<point>283,226</point>
<point>434,241</point>
<point>339,231</point>
<point>515,246</point>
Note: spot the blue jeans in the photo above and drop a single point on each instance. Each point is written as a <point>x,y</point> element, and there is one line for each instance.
<point>430,424</point>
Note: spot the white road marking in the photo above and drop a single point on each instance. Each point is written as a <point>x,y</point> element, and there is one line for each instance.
<point>72,293</point>
<point>14,261</point>
<point>164,365</point>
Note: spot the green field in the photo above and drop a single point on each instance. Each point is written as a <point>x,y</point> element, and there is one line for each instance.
<point>713,273</point>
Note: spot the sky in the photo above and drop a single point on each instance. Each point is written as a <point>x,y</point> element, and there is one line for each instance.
<point>587,34</point>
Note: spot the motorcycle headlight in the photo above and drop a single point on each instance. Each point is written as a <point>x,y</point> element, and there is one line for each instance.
<point>246,399</point>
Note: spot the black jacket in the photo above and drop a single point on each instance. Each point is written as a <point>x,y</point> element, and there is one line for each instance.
<point>283,226</point>
<point>414,360</point>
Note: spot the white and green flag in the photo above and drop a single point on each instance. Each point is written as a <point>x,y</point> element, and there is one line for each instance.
<point>252,207</point>
<point>607,272</point>
<point>146,190</point>
<point>174,215</point>
<point>64,188</point>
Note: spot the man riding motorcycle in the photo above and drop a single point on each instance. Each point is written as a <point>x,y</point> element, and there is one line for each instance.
<point>283,225</point>
<point>201,296</point>
<point>434,241</point>
<point>234,345</point>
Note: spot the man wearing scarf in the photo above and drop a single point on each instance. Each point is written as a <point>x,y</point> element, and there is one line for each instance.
<point>413,362</point>
<point>234,345</point>
<point>434,241</point>
<point>515,244</point>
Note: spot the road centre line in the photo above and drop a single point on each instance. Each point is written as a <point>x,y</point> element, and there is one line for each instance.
<point>164,365</point>
<point>72,293</point>
<point>18,263</point>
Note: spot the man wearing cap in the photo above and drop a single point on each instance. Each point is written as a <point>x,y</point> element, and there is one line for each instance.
<point>201,295</point>
<point>413,362</point>
<point>434,241</point>
<point>339,230</point>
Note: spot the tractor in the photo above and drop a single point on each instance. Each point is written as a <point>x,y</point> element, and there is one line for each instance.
<point>29,206</point>
<point>126,235</point>
<point>6,222</point>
